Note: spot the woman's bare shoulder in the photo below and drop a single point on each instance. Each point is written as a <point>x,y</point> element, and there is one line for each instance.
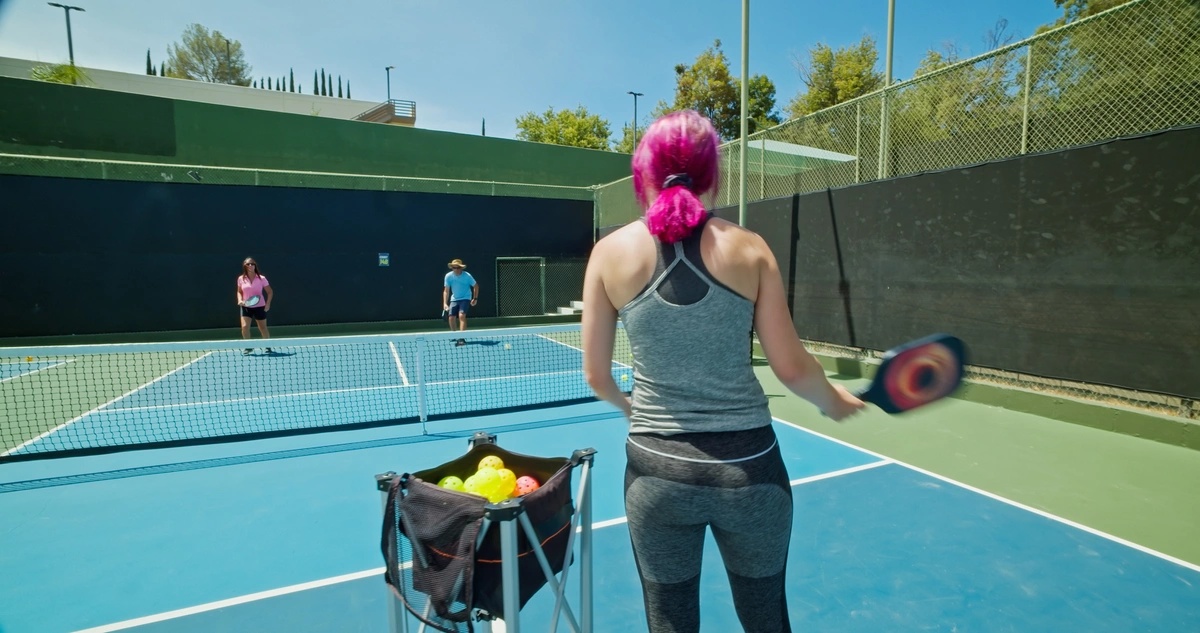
<point>735,236</point>
<point>621,239</point>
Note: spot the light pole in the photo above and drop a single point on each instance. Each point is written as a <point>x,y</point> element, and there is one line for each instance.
<point>67,10</point>
<point>635,96</point>
<point>388,70</point>
<point>745,107</point>
<point>885,114</point>
<point>228,69</point>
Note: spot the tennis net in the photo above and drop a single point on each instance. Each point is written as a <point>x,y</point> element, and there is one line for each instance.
<point>79,399</point>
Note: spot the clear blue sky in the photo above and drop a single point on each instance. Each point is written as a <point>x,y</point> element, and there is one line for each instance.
<point>466,60</point>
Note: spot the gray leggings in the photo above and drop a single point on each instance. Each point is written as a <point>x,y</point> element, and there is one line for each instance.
<point>676,487</point>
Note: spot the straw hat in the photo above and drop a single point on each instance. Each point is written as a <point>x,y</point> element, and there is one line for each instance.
<point>456,263</point>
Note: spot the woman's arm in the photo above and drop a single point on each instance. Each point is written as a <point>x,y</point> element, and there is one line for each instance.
<point>599,334</point>
<point>237,295</point>
<point>269,293</point>
<point>792,364</point>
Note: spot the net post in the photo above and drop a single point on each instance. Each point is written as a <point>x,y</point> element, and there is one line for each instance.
<point>422,405</point>
<point>397,622</point>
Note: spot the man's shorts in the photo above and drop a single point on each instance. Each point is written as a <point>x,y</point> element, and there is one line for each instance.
<point>258,313</point>
<point>460,307</point>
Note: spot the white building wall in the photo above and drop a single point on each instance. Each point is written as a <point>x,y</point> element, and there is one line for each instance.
<point>221,94</point>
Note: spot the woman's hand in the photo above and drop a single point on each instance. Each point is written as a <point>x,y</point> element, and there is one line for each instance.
<point>844,405</point>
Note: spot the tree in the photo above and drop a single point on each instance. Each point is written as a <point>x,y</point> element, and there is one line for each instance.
<point>209,56</point>
<point>575,128</point>
<point>707,87</point>
<point>315,83</point>
<point>1129,64</point>
<point>761,111</point>
<point>625,145</point>
<point>291,81</point>
<point>348,89</point>
<point>339,86</point>
<point>59,74</point>
<point>324,88</point>
<point>833,77</point>
<point>1077,9</point>
<point>149,66</point>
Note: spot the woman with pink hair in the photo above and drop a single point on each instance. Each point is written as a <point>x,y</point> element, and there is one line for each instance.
<point>701,451</point>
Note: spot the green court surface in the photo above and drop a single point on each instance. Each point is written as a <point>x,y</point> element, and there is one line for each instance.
<point>1136,489</point>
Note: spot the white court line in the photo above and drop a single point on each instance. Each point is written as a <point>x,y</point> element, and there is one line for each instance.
<point>221,604</point>
<point>23,374</point>
<point>399,365</point>
<point>378,571</point>
<point>580,350</point>
<point>97,409</point>
<point>996,497</point>
<point>302,394</point>
<point>274,396</point>
<point>492,378</point>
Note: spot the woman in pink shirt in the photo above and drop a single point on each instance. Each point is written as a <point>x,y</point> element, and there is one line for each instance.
<point>254,297</point>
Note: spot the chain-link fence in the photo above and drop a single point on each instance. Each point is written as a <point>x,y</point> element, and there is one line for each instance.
<point>527,286</point>
<point>1129,70</point>
<point>27,165</point>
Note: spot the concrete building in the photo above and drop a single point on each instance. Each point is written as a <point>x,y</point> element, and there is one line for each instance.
<point>395,112</point>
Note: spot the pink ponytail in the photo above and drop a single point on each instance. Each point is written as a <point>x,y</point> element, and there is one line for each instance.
<point>674,164</point>
<point>674,214</point>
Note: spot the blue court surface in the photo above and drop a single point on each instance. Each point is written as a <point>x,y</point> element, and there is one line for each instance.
<point>283,535</point>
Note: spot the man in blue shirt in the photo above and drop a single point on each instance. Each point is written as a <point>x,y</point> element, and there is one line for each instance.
<point>458,293</point>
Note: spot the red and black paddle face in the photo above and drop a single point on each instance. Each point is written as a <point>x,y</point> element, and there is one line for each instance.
<point>917,373</point>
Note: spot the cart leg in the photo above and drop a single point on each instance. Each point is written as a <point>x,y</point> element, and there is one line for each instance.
<point>397,621</point>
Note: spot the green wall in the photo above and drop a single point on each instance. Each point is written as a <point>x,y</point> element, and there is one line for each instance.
<point>56,120</point>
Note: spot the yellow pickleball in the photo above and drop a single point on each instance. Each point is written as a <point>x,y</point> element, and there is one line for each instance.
<point>451,483</point>
<point>508,482</point>
<point>491,461</point>
<point>472,486</point>
<point>507,346</point>
<point>487,482</point>
<point>29,359</point>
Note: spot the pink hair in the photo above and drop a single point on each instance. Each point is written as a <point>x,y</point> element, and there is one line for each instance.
<point>682,147</point>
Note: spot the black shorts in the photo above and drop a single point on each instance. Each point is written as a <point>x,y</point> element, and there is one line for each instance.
<point>257,313</point>
<point>460,307</point>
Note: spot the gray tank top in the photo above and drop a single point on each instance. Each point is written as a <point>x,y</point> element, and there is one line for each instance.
<point>690,337</point>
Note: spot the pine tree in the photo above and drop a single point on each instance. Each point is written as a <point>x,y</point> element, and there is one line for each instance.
<point>291,81</point>
<point>149,66</point>
<point>339,86</point>
<point>254,84</point>
<point>324,89</point>
<point>347,88</point>
<point>315,82</point>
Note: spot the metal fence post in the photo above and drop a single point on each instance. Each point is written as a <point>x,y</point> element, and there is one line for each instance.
<point>858,141</point>
<point>1025,106</point>
<point>883,135</point>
